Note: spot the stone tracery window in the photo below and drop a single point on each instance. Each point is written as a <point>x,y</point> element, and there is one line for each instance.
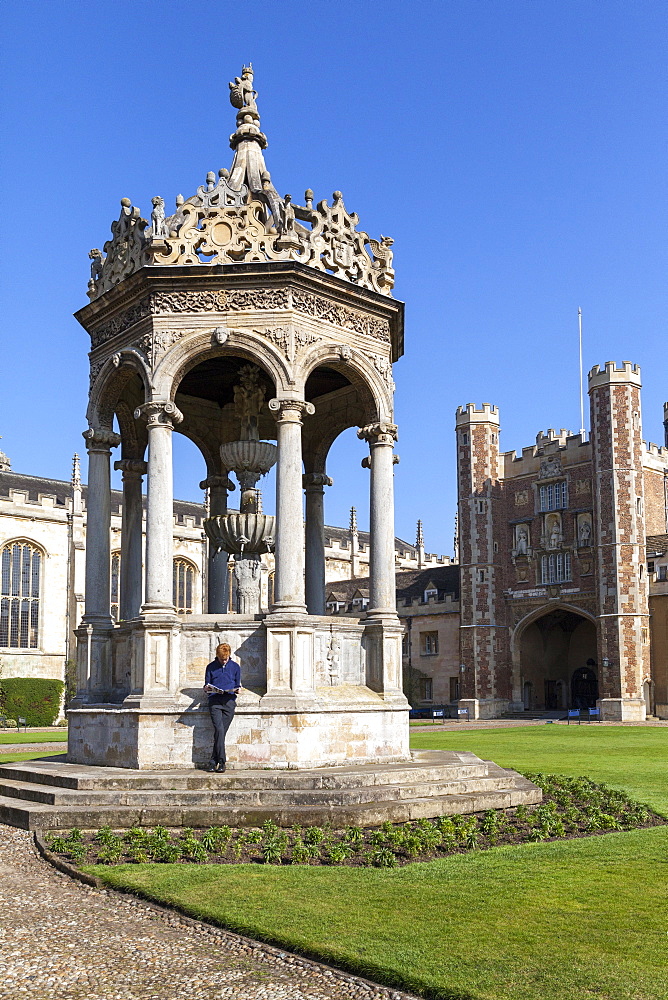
<point>183,587</point>
<point>20,569</point>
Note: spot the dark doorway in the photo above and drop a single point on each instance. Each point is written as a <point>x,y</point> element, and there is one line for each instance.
<point>584,687</point>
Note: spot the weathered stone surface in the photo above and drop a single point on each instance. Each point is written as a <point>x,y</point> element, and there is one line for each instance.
<point>55,794</point>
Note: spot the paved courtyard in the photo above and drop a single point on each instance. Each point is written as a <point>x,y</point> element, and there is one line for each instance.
<point>62,939</point>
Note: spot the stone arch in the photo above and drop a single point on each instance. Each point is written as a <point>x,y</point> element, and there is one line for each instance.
<point>364,400</point>
<point>361,373</point>
<point>547,646</point>
<point>189,353</point>
<point>112,380</point>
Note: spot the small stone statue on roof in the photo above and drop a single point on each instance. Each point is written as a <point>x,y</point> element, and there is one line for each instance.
<point>97,262</point>
<point>242,94</point>
<point>158,217</point>
<point>287,215</point>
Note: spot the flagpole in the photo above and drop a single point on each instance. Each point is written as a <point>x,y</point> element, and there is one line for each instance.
<point>583,432</point>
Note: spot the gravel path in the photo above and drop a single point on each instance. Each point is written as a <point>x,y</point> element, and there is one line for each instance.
<point>64,940</point>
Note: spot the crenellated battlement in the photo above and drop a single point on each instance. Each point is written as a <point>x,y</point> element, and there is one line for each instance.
<point>610,373</point>
<point>655,456</point>
<point>572,449</point>
<point>21,498</point>
<point>469,414</point>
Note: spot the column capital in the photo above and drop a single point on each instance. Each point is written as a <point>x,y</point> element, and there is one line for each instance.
<point>158,413</point>
<point>378,433</point>
<point>132,468</point>
<point>316,480</point>
<point>291,409</point>
<point>217,483</point>
<point>99,439</point>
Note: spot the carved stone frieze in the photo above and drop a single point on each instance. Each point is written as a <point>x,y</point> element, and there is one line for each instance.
<point>243,299</point>
<point>120,322</point>
<point>341,316</point>
<point>188,302</point>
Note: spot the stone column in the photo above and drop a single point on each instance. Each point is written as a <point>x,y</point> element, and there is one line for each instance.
<point>382,582</point>
<point>314,484</point>
<point>161,416</point>
<point>218,599</point>
<point>289,575</point>
<point>133,470</point>
<point>98,525</point>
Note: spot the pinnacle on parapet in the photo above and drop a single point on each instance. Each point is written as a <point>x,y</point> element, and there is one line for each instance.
<point>353,520</point>
<point>419,536</point>
<point>76,472</point>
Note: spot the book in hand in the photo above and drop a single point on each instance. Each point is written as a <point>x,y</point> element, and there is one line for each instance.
<point>212,689</point>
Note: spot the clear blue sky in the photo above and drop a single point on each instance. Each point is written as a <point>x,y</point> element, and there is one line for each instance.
<point>516,152</point>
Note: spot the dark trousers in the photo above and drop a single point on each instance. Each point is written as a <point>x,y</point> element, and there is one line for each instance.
<point>221,709</point>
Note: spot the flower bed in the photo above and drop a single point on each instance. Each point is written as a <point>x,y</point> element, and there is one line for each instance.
<point>571,807</point>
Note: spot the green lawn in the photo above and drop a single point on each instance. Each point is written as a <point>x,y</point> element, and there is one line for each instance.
<point>54,736</point>
<point>9,758</point>
<point>567,920</point>
<point>634,758</point>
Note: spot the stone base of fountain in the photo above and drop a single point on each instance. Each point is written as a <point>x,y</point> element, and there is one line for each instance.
<point>310,696</point>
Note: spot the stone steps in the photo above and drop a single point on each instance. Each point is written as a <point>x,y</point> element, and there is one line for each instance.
<point>50,796</point>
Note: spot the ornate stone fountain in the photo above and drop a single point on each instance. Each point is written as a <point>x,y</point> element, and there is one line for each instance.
<point>250,533</point>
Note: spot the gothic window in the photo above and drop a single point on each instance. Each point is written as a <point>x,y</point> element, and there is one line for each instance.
<point>183,587</point>
<point>556,568</point>
<point>429,643</point>
<point>19,595</point>
<point>115,584</point>
<point>554,496</point>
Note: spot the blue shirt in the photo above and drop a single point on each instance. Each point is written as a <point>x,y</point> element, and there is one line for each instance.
<point>223,675</point>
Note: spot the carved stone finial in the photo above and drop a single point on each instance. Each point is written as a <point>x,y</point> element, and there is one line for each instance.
<point>353,521</point>
<point>76,472</point>
<point>419,537</point>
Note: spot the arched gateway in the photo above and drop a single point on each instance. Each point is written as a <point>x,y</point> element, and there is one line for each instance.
<point>555,653</point>
<point>261,329</point>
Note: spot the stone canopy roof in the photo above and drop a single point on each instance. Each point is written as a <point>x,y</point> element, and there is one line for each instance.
<point>238,216</point>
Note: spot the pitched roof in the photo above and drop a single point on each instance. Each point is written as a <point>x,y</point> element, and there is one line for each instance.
<point>410,584</point>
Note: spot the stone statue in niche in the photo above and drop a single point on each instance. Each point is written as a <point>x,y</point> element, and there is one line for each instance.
<point>521,540</point>
<point>584,530</point>
<point>554,535</point>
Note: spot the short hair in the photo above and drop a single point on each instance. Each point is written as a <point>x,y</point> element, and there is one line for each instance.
<point>223,645</point>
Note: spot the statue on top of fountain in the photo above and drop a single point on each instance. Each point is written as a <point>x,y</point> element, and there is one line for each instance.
<point>248,401</point>
<point>242,94</point>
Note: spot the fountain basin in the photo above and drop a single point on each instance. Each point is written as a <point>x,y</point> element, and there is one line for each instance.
<point>248,456</point>
<point>236,533</point>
